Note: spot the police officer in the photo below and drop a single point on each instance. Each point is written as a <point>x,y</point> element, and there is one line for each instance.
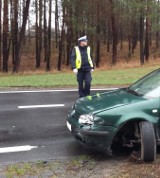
<point>82,65</point>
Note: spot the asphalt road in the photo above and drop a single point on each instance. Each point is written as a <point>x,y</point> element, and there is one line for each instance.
<point>33,126</point>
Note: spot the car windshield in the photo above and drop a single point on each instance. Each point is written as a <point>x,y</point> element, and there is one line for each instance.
<point>148,86</point>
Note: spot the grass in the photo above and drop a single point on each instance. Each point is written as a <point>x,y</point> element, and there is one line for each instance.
<point>111,77</point>
<point>18,170</point>
<point>84,166</point>
<point>52,169</point>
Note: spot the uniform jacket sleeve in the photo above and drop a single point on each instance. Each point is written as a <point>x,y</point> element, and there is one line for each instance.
<point>92,60</point>
<point>73,59</point>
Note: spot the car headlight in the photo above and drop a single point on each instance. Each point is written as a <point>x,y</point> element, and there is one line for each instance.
<point>86,119</point>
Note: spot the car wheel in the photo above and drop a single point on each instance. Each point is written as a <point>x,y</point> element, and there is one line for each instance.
<point>148,142</point>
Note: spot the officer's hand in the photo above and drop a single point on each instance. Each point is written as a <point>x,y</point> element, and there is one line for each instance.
<point>75,71</point>
<point>92,70</point>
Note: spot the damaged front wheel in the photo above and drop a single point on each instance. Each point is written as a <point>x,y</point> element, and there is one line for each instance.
<point>148,141</point>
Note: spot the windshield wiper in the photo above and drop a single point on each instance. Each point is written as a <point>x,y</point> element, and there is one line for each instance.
<point>134,92</point>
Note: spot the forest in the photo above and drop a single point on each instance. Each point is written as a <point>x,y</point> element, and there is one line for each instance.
<point>40,34</point>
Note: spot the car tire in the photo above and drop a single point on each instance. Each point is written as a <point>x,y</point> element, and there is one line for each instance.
<point>148,142</point>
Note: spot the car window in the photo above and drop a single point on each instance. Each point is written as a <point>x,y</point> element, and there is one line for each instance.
<point>149,85</point>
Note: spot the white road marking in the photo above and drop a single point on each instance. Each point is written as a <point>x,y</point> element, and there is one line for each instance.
<point>17,149</point>
<point>41,106</point>
<point>60,90</point>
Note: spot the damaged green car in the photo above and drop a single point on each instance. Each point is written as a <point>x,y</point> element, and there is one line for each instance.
<point>127,117</point>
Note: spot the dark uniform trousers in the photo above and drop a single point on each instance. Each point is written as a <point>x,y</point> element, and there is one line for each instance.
<point>84,79</point>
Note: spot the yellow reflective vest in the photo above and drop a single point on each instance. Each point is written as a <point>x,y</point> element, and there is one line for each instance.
<point>79,58</point>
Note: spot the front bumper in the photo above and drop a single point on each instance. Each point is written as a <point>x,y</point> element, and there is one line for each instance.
<point>94,137</point>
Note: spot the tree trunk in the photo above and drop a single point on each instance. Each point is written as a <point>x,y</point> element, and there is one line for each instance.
<point>109,36</point>
<point>98,35</point>
<point>129,46</point>
<point>61,45</point>
<point>37,36</point>
<point>12,16</point>
<point>0,36</point>
<point>38,5</point>
<point>121,34</point>
<point>141,37</point>
<point>15,39</point>
<point>69,33</point>
<point>114,33</point>
<point>97,53</point>
<point>5,36</point>
<point>21,36</point>
<point>45,32</point>
<point>49,37</point>
<point>24,22</point>
<point>134,36</point>
<point>147,38</point>
<point>56,23</point>
<point>40,21</point>
<point>40,33</point>
<point>157,31</point>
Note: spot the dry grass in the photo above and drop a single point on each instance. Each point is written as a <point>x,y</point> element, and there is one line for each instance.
<point>130,64</point>
<point>124,61</point>
<point>85,166</point>
<point>27,64</point>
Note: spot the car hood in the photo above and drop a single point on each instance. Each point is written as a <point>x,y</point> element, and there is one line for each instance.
<point>105,101</point>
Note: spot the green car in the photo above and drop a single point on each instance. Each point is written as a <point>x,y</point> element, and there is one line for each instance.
<point>127,117</point>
